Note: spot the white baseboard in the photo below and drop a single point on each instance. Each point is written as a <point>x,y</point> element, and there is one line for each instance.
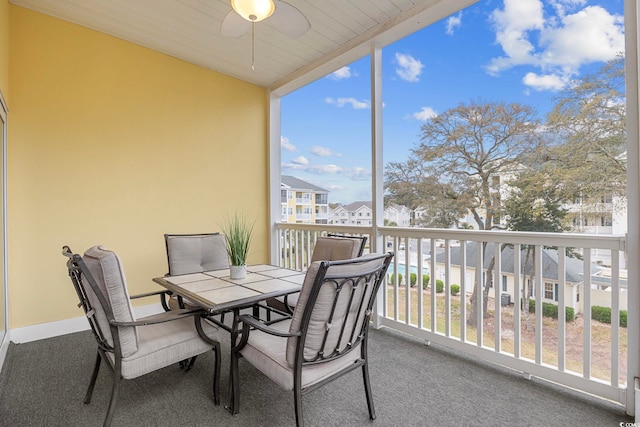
<point>68,326</point>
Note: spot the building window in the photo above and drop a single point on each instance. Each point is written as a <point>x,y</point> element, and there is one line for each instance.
<point>504,283</point>
<point>551,291</point>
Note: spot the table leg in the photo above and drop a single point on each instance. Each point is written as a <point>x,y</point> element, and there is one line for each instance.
<point>233,368</point>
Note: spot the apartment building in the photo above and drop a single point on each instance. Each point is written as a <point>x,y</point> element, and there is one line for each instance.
<point>303,202</point>
<point>361,213</point>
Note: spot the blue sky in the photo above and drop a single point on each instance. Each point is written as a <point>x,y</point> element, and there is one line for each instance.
<point>522,51</point>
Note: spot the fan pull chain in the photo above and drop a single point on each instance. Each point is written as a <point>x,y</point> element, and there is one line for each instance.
<point>253,47</point>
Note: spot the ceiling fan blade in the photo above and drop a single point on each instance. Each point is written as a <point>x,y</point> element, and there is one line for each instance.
<point>234,25</point>
<point>288,20</point>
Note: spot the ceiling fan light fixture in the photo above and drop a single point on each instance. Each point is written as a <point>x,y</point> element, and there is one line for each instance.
<point>253,10</point>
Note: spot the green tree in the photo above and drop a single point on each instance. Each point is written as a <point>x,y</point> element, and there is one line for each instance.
<point>454,168</point>
<point>410,184</point>
<point>588,122</point>
<point>534,204</point>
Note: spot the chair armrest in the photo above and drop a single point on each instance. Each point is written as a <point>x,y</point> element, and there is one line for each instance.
<point>150,294</point>
<point>167,316</point>
<point>162,294</point>
<point>249,322</point>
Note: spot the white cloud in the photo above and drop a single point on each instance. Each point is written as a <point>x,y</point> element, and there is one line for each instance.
<point>342,73</point>
<point>321,151</point>
<point>356,173</point>
<point>325,169</point>
<point>557,45</point>
<point>561,6</point>
<point>341,102</point>
<point>453,22</point>
<point>286,145</point>
<point>300,161</point>
<point>424,114</point>
<point>409,68</point>
<point>545,82</point>
<point>359,174</point>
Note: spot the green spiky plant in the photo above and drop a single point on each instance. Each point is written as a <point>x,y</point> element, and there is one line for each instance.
<point>238,230</point>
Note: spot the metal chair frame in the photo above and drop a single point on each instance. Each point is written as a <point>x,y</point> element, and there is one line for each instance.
<point>372,278</point>
<point>80,275</point>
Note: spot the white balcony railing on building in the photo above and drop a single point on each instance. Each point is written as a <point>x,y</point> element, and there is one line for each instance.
<point>583,354</point>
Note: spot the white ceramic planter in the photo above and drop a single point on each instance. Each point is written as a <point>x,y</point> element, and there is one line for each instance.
<point>238,271</point>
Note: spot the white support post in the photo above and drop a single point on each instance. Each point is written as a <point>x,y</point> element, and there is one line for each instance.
<point>633,202</point>
<point>377,168</point>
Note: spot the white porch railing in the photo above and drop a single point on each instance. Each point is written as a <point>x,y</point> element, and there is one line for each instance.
<point>582,354</point>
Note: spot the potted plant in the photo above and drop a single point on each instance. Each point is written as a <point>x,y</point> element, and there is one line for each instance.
<point>238,231</point>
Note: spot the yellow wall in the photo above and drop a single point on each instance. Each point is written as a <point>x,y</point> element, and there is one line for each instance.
<point>4,48</point>
<point>114,144</point>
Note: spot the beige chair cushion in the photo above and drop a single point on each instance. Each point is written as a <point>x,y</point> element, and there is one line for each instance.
<point>335,249</point>
<point>268,354</point>
<point>106,268</point>
<point>322,309</point>
<point>164,344</point>
<point>196,253</point>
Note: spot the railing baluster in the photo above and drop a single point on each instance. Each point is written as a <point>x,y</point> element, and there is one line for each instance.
<point>615,317</point>
<point>419,290</point>
<point>497,297</point>
<point>517,297</point>
<point>447,288</point>
<point>586,310</point>
<point>479,294</point>
<point>538,292</point>
<point>396,282</point>
<point>407,281</point>
<point>562,274</point>
<point>463,290</point>
<point>432,282</point>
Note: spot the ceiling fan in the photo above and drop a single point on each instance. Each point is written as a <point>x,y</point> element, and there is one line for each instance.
<point>282,16</point>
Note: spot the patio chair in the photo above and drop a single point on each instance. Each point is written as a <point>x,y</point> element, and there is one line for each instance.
<point>324,339</point>
<point>332,247</point>
<point>336,247</point>
<point>133,347</point>
<point>194,253</point>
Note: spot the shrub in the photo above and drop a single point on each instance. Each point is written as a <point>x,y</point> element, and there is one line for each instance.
<point>425,281</point>
<point>603,314</point>
<point>551,310</point>
<point>413,279</point>
<point>455,289</point>
<point>439,286</point>
<point>392,279</point>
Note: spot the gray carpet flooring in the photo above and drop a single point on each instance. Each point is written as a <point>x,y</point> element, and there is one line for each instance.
<point>43,384</point>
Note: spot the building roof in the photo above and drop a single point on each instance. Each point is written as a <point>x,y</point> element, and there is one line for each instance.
<point>298,184</point>
<point>573,266</point>
<point>351,207</point>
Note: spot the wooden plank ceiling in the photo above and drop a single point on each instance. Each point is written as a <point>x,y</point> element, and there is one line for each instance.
<point>190,30</point>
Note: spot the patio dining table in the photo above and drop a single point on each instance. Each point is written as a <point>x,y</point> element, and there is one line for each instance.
<point>217,293</point>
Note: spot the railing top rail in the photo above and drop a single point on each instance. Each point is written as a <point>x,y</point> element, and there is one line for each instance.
<point>353,229</point>
<point>583,240</point>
